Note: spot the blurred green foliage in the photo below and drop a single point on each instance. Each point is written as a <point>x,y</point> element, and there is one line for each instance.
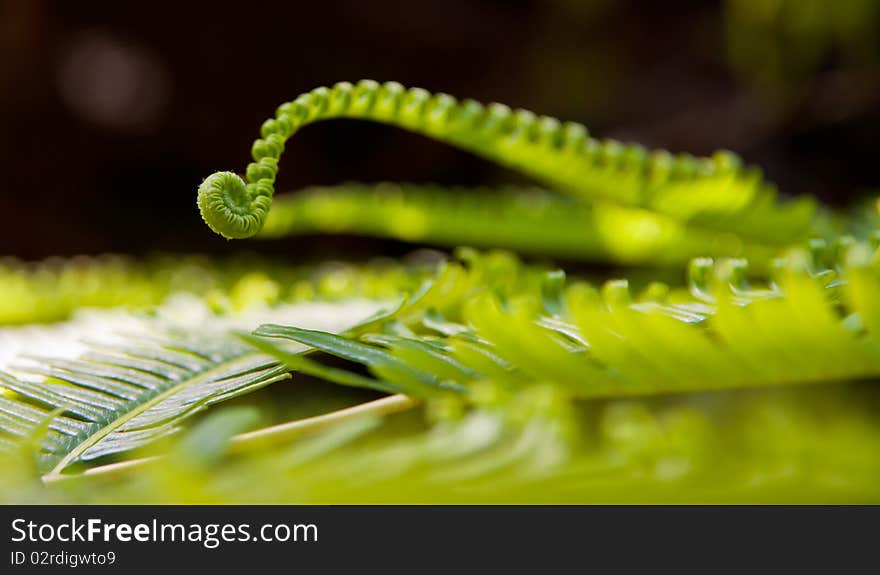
<point>779,46</point>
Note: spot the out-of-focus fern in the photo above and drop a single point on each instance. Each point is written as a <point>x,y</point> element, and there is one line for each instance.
<point>817,320</point>
<point>53,289</point>
<point>535,446</point>
<point>529,221</point>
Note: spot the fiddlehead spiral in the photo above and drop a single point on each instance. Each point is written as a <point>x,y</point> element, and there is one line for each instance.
<point>719,190</point>
<point>232,208</point>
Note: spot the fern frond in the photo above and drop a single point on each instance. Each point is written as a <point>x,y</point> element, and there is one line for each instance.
<point>528,221</point>
<point>117,398</point>
<point>500,352</point>
<point>717,192</point>
<point>811,323</point>
<point>116,401</point>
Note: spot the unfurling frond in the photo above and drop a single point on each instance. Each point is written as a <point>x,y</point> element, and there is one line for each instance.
<point>718,193</point>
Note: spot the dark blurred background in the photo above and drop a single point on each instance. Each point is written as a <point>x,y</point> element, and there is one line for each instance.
<point>112,112</point>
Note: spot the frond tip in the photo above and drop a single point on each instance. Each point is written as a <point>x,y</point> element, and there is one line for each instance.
<point>232,208</point>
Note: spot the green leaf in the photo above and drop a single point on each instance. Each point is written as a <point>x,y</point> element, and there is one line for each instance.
<point>109,407</point>
<point>416,381</point>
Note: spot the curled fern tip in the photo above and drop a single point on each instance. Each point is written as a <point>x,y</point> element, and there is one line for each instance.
<point>232,208</point>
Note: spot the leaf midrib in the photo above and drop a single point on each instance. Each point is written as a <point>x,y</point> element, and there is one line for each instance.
<point>94,438</point>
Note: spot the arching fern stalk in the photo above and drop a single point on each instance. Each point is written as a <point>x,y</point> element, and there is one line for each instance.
<point>718,192</point>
